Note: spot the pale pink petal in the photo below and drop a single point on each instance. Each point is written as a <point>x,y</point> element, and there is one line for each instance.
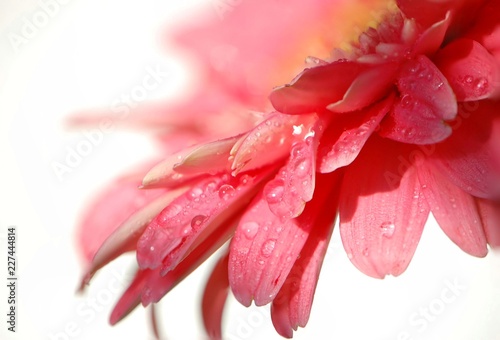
<point>490,216</point>
<point>455,211</point>
<point>192,217</point>
<point>367,88</point>
<point>426,102</point>
<point>214,299</point>
<point>292,306</point>
<point>470,158</point>
<point>473,73</point>
<point>382,211</point>
<point>111,208</point>
<point>270,141</point>
<point>125,237</point>
<point>316,88</point>
<point>347,134</point>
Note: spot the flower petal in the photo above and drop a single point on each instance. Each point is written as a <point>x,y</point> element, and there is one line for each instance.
<point>347,134</point>
<point>214,299</point>
<point>430,40</point>
<point>455,211</point>
<point>125,237</point>
<point>473,73</point>
<point>292,306</point>
<point>381,220</point>
<point>490,216</point>
<point>316,88</point>
<point>426,102</point>
<point>192,217</point>
<point>131,298</point>
<point>486,28</point>
<point>470,158</point>
<point>270,141</point>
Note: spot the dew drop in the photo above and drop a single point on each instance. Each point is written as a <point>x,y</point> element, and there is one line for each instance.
<point>469,79</point>
<point>302,167</point>
<point>268,247</point>
<point>195,193</point>
<point>169,212</point>
<point>250,229</point>
<point>274,191</point>
<point>197,221</point>
<point>387,229</point>
<point>226,191</point>
<point>366,252</point>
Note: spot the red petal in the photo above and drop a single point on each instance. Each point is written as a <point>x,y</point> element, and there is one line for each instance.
<point>347,135</point>
<point>490,216</point>
<point>316,88</point>
<point>191,218</point>
<point>382,213</point>
<point>132,296</point>
<point>292,306</point>
<point>454,210</point>
<point>486,28</point>
<point>426,102</point>
<point>470,158</point>
<point>473,73</point>
<point>426,12</point>
<point>429,42</point>
<point>214,299</point>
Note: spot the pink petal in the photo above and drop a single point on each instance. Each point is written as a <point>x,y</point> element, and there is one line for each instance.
<point>367,88</point>
<point>131,298</point>
<point>270,141</point>
<point>473,73</point>
<point>154,322</point>
<point>347,134</point>
<point>125,237</point>
<point>430,40</point>
<point>117,203</point>
<point>264,249</point>
<point>214,299</point>
<point>454,210</point>
<point>470,158</point>
<point>426,103</point>
<point>490,216</point>
<point>316,88</point>
<point>292,306</point>
<point>294,184</point>
<point>382,211</point>
<point>486,29</point>
<point>191,218</point>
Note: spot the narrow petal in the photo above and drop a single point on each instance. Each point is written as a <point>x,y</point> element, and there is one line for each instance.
<point>470,158</point>
<point>125,237</point>
<point>264,249</point>
<point>473,73</point>
<point>111,208</point>
<point>426,102</point>
<point>192,217</point>
<point>131,298</point>
<point>270,141</point>
<point>455,211</point>
<point>154,322</point>
<point>432,38</point>
<point>381,219</point>
<point>347,134</point>
<point>316,88</point>
<point>490,216</point>
<point>214,299</point>
<point>292,306</point>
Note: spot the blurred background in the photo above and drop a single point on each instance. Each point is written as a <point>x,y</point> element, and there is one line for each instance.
<point>61,57</point>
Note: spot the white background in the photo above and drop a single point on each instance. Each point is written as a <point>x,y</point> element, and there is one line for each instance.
<point>85,56</point>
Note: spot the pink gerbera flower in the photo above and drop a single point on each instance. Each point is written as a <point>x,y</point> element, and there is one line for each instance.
<point>401,123</point>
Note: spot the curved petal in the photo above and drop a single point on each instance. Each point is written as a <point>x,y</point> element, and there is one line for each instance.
<point>455,211</point>
<point>486,28</point>
<point>490,216</point>
<point>347,134</point>
<point>292,306</point>
<point>473,73</point>
<point>426,103</point>
<point>470,158</point>
<point>381,220</point>
<point>214,299</point>
<point>432,38</point>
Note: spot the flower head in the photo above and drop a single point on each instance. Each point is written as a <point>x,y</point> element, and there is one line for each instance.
<point>403,123</point>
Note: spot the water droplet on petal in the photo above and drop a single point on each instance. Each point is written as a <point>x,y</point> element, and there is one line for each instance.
<point>197,221</point>
<point>194,193</point>
<point>169,212</point>
<point>226,191</point>
<point>387,229</point>
<point>268,247</point>
<point>250,229</point>
<point>302,167</point>
<point>274,191</point>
